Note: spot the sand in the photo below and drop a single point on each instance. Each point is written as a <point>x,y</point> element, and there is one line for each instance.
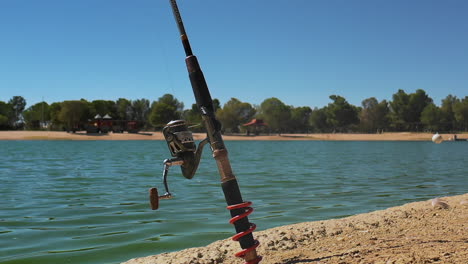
<point>433,231</point>
<point>58,135</point>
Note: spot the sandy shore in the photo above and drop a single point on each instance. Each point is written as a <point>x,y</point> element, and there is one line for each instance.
<point>58,135</point>
<point>433,231</point>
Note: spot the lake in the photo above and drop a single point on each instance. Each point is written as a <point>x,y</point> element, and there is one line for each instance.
<point>87,201</point>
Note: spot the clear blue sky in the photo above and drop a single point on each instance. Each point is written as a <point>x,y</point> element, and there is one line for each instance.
<point>300,51</point>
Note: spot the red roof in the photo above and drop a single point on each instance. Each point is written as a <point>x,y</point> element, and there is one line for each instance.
<point>256,122</point>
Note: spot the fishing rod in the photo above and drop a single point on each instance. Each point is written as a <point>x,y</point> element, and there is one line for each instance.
<point>186,154</point>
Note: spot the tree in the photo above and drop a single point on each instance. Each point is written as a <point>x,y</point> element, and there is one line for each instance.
<point>399,107</point>
<point>461,113</point>
<point>123,109</point>
<point>216,105</point>
<point>431,117</point>
<point>318,120</point>
<point>235,113</point>
<point>167,108</point>
<point>368,116</point>
<point>374,115</point>
<point>102,108</point>
<point>448,122</point>
<point>3,122</point>
<point>417,102</point>
<point>406,109</point>
<point>6,113</point>
<point>275,113</point>
<point>54,112</point>
<point>73,114</point>
<point>18,103</point>
<point>36,115</point>
<point>340,114</point>
<point>300,119</point>
<point>193,117</point>
<point>140,110</point>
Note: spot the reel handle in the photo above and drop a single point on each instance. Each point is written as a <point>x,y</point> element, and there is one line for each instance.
<point>154,197</point>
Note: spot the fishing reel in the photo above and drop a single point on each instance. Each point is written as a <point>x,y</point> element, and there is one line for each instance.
<point>184,152</point>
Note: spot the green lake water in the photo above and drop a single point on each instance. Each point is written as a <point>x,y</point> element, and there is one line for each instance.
<point>87,202</point>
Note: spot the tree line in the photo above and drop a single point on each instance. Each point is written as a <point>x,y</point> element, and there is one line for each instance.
<point>413,112</point>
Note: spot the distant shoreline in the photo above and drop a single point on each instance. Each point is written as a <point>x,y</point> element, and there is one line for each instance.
<point>61,135</point>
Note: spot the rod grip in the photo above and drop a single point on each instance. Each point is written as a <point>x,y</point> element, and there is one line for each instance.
<point>233,196</point>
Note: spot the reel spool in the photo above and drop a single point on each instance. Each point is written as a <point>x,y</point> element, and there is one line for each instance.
<point>185,152</point>
<point>178,138</point>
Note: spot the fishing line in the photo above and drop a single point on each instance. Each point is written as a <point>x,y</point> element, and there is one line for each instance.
<point>169,84</point>
<point>168,73</point>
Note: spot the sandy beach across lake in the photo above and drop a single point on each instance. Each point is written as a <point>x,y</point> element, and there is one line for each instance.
<point>81,135</point>
<point>432,231</point>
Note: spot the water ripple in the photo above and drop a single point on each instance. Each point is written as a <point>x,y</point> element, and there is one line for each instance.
<point>88,201</point>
